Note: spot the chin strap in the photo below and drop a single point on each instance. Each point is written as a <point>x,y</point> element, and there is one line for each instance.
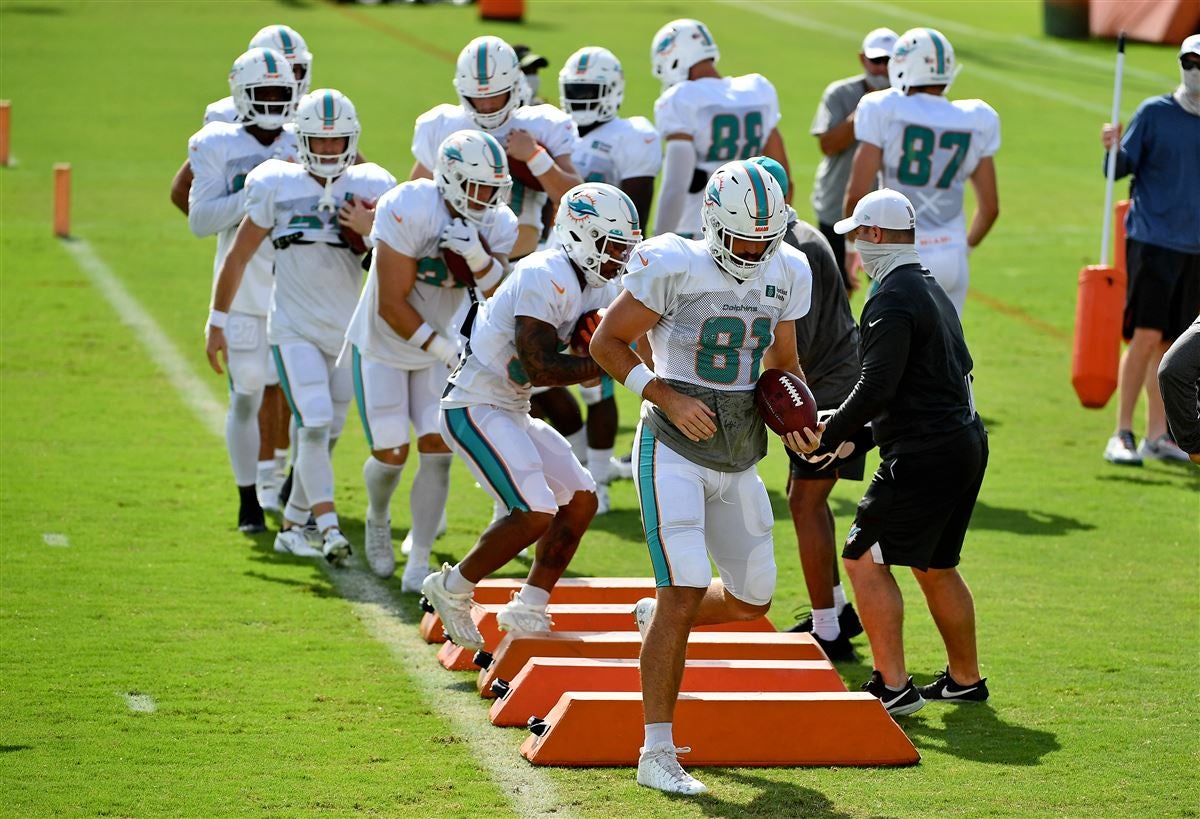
<point>327,203</point>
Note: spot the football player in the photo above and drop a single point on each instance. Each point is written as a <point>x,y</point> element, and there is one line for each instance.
<point>404,332</point>
<point>706,119</point>
<point>522,462</point>
<point>223,154</point>
<point>317,280</point>
<point>491,94</point>
<point>718,310</point>
<point>927,147</point>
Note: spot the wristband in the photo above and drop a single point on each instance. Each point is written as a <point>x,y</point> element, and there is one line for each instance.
<point>479,260</point>
<point>540,162</point>
<point>421,335</point>
<point>637,379</point>
<point>218,319</point>
<point>495,272</point>
<point>443,349</point>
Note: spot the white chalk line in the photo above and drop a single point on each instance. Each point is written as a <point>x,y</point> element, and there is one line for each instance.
<point>529,790</point>
<point>139,703</point>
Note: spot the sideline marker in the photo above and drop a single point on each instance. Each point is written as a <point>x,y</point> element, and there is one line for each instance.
<point>62,199</point>
<point>5,126</point>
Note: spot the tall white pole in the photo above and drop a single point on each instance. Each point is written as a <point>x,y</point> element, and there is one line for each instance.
<point>1112,154</point>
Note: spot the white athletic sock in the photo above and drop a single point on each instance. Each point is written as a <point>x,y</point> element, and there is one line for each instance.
<point>313,464</point>
<point>266,473</point>
<point>534,596</point>
<point>427,500</point>
<point>825,623</point>
<point>457,584</point>
<point>578,441</point>
<point>241,436</point>
<point>658,733</point>
<point>381,480</point>
<point>599,463</point>
<point>326,521</point>
<point>839,598</point>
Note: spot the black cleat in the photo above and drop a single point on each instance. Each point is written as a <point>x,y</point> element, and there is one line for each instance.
<point>251,520</point>
<point>285,490</point>
<point>946,689</point>
<point>848,622</point>
<point>838,649</point>
<point>897,703</point>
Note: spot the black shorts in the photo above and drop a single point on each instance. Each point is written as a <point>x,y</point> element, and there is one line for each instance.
<point>1162,291</point>
<point>919,504</point>
<point>851,469</point>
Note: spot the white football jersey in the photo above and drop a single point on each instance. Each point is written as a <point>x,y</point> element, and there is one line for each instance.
<point>409,219</point>
<point>222,154</point>
<point>317,279</point>
<point>931,146</point>
<point>543,286</point>
<point>553,129</point>
<point>617,150</point>
<point>714,329</point>
<point>223,110</point>
<point>727,118</point>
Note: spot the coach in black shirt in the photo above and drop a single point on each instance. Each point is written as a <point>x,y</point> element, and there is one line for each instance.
<point>915,389</point>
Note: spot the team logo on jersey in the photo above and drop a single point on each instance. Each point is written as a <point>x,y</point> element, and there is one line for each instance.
<point>773,292</point>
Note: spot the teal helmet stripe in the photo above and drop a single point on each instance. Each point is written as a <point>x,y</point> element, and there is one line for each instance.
<point>939,48</point>
<point>704,33</point>
<point>497,154</point>
<point>583,62</point>
<point>633,214</point>
<point>288,46</point>
<point>328,109</point>
<point>760,193</point>
<point>271,69</point>
<point>481,63</point>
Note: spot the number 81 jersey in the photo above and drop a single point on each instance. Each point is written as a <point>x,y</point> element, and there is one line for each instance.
<point>714,329</point>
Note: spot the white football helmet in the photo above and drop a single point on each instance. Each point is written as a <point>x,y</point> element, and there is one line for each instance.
<point>678,46</point>
<point>468,161</point>
<point>327,113</point>
<point>597,223</point>
<point>743,201</point>
<point>288,42</point>
<point>488,67</point>
<point>258,69</point>
<point>591,86</point>
<point>922,56</point>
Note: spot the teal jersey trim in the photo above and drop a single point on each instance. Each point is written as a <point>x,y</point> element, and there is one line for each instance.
<point>648,500</point>
<point>477,448</point>
<point>283,384</point>
<point>360,397</point>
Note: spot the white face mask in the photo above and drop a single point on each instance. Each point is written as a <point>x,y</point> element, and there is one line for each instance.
<point>876,82</point>
<point>880,259</point>
<point>1188,93</point>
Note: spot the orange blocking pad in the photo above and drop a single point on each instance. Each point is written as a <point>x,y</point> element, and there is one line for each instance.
<point>570,617</point>
<point>590,728</point>
<point>516,649</point>
<point>539,685</point>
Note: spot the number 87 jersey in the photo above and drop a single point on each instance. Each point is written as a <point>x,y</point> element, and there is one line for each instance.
<point>714,328</point>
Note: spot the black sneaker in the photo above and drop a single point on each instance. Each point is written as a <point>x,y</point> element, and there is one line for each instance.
<point>848,622</point>
<point>945,688</point>
<point>897,703</point>
<point>250,515</point>
<point>838,649</point>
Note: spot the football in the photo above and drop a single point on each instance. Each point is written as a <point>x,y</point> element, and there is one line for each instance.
<point>581,336</point>
<point>520,172</point>
<point>785,402</point>
<point>353,239</point>
<point>458,266</point>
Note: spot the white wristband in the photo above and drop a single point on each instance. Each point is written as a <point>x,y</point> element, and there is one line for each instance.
<point>479,260</point>
<point>421,335</point>
<point>637,379</point>
<point>495,272</point>
<point>443,349</point>
<point>218,319</point>
<point>540,162</point>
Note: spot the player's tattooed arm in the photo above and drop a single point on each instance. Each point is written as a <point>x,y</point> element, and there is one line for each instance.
<point>537,347</point>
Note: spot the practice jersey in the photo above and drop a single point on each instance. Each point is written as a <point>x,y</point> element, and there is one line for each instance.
<point>317,278</point>
<point>222,154</point>
<point>617,150</point>
<point>543,286</point>
<point>727,118</point>
<point>410,219</point>
<point>223,110</point>
<point>714,330</point>
<point>554,130</point>
<point>931,146</point>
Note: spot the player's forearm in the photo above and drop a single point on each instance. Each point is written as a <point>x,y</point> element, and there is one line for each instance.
<point>838,138</point>
<point>228,282</point>
<point>547,369</point>
<point>558,180</point>
<point>614,355</point>
<point>401,316</point>
<point>981,224</point>
<point>181,187</point>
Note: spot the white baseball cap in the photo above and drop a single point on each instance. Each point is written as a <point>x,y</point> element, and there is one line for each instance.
<point>879,43</point>
<point>883,208</point>
<point>1190,46</point>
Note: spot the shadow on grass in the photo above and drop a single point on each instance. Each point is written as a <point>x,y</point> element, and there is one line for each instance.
<point>974,732</point>
<point>1025,521</point>
<point>772,798</point>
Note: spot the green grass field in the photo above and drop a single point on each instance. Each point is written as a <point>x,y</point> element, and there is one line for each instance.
<point>161,663</point>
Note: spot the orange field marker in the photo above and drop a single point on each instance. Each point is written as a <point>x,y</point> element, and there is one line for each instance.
<point>62,200</point>
<point>736,729</point>
<point>516,649</point>
<point>570,617</point>
<point>5,131</point>
<point>538,686</point>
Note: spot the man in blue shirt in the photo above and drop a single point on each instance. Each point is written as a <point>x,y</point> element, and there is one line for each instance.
<point>1162,151</point>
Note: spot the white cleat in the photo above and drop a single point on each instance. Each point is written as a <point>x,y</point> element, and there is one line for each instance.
<point>659,768</point>
<point>518,617</point>
<point>1121,450</point>
<point>454,609</point>
<point>643,613</point>
<point>381,557</point>
<point>293,542</point>
<point>268,498</point>
<point>1161,448</point>
<point>602,502</point>
<point>336,548</point>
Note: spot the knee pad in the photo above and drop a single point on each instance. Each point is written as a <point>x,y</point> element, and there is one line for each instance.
<point>245,407</point>
<point>760,575</point>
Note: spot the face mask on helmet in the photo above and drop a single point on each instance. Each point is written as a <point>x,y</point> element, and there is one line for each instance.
<point>677,47</point>
<point>323,114</point>
<point>262,88</point>
<point>489,81</point>
<point>591,86</point>
<point>472,175</point>
<point>598,228</point>
<point>744,218</point>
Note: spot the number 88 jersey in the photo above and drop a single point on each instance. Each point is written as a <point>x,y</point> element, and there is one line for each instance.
<point>714,329</point>
<point>931,146</point>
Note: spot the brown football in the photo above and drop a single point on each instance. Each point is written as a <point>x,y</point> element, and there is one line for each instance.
<point>785,402</point>
<point>581,336</point>
<point>352,238</point>
<point>520,172</point>
<point>458,266</point>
